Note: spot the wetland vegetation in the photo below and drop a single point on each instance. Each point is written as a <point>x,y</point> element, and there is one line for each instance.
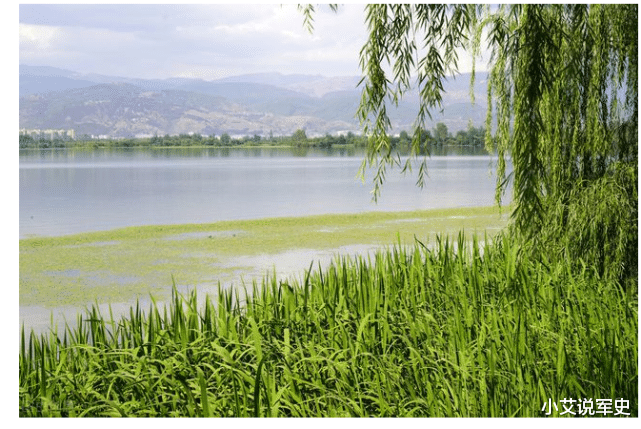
<point>125,264</point>
<point>463,329</point>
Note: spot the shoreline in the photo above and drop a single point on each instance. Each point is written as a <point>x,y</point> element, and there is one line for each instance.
<point>122,265</point>
<point>438,213</point>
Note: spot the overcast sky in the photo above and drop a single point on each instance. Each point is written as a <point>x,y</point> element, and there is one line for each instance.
<point>207,41</point>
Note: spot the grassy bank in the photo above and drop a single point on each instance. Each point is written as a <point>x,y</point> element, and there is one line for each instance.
<point>464,329</point>
<point>125,264</point>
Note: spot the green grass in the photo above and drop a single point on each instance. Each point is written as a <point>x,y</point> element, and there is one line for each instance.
<point>126,264</point>
<point>466,328</point>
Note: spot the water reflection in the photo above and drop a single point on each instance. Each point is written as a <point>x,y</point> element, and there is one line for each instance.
<point>82,154</point>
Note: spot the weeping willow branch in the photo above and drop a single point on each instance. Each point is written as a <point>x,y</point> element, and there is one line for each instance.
<point>562,106</point>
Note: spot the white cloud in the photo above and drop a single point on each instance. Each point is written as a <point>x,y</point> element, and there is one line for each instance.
<point>206,41</point>
<point>96,50</point>
<point>155,40</point>
<point>37,37</point>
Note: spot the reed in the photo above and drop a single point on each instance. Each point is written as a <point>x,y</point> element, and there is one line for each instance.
<point>464,328</point>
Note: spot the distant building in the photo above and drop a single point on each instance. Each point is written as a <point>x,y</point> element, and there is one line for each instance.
<point>48,134</point>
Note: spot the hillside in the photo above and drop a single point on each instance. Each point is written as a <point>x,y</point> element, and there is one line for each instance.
<point>241,105</point>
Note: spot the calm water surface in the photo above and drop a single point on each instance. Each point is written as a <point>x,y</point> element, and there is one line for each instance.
<point>74,191</point>
<point>66,191</point>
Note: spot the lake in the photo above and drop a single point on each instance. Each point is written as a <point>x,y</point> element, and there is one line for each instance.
<point>68,191</point>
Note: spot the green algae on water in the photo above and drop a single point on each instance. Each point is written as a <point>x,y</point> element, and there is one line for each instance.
<point>122,264</point>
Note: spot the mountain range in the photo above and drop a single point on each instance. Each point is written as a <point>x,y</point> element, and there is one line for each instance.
<point>246,105</point>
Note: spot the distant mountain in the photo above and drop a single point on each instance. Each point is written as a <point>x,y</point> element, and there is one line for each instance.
<point>42,84</point>
<point>45,71</point>
<point>240,105</point>
<point>313,85</point>
<point>274,79</point>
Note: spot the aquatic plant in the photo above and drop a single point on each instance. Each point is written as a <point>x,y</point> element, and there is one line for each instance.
<point>462,328</point>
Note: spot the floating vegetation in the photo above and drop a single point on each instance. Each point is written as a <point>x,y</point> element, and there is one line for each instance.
<point>196,254</point>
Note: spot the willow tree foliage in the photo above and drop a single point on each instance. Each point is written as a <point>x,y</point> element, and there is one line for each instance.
<point>563,106</point>
<point>564,82</point>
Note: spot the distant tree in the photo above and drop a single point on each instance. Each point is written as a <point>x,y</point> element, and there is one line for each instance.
<point>441,134</point>
<point>404,138</point>
<point>26,140</point>
<point>423,137</point>
<point>350,138</point>
<point>475,135</point>
<point>225,140</point>
<point>299,136</point>
<point>461,137</point>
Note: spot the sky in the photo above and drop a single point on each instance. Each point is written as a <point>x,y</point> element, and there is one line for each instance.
<point>207,41</point>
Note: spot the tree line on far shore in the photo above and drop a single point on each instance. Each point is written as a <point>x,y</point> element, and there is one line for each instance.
<point>438,136</point>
